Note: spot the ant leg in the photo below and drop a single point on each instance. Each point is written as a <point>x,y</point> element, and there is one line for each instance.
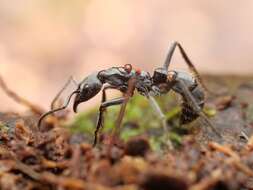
<point>127,95</point>
<point>104,99</point>
<point>191,66</point>
<point>71,79</point>
<point>169,55</point>
<point>193,69</point>
<point>159,112</point>
<point>123,100</point>
<point>102,108</point>
<point>185,57</point>
<point>104,92</point>
<point>189,97</point>
<point>188,62</point>
<point>162,117</point>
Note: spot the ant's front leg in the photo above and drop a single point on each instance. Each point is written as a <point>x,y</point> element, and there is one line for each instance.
<point>107,87</point>
<point>102,108</point>
<point>71,79</point>
<point>123,101</point>
<point>100,117</point>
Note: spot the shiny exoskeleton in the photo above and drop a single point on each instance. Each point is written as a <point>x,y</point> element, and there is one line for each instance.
<point>160,83</point>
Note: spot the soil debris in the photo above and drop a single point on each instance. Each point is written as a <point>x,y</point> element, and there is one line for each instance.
<point>54,158</point>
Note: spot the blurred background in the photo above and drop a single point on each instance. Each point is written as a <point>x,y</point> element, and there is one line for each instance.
<point>43,42</point>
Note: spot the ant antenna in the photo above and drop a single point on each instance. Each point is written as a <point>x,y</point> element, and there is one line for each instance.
<point>58,109</point>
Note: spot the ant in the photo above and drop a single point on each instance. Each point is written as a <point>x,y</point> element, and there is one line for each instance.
<point>162,81</point>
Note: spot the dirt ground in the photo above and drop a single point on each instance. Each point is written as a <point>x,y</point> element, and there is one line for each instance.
<point>55,158</point>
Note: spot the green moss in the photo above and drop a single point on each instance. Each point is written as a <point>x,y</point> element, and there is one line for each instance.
<point>210,112</point>
<point>3,127</point>
<point>128,133</point>
<point>174,112</point>
<point>175,138</point>
<point>139,119</point>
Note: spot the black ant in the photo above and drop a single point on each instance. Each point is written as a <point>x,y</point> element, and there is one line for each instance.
<point>162,81</point>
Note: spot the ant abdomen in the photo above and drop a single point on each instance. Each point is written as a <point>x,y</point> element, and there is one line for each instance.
<point>188,113</point>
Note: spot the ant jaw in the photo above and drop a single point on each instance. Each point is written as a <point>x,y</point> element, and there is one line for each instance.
<point>75,107</point>
<point>76,103</point>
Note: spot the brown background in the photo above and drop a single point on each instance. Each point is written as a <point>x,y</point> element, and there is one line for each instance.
<point>43,42</point>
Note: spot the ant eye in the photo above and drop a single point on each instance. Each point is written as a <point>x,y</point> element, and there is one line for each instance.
<point>128,68</point>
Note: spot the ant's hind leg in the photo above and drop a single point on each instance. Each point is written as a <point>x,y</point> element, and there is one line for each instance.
<point>185,57</point>
<point>159,112</point>
<point>104,98</point>
<point>187,61</point>
<point>193,69</point>
<point>162,117</point>
<point>169,55</point>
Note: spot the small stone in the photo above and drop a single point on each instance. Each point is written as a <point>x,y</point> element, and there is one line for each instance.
<point>137,146</point>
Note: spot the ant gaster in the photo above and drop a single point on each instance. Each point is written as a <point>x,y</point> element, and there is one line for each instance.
<point>162,81</point>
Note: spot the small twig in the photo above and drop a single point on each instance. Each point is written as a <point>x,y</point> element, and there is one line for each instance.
<point>208,181</point>
<point>127,95</point>
<point>20,100</point>
<point>235,158</point>
<point>75,162</point>
<point>66,182</point>
<point>244,168</point>
<point>27,170</point>
<point>52,164</point>
<point>47,177</point>
<point>224,149</point>
<point>217,174</point>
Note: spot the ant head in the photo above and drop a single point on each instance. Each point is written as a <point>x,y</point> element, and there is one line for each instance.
<point>87,89</point>
<point>160,75</point>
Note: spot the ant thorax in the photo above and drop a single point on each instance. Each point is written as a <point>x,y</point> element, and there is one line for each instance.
<point>143,82</point>
<point>115,76</point>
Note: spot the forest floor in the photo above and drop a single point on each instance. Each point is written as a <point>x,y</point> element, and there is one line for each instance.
<point>60,155</point>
